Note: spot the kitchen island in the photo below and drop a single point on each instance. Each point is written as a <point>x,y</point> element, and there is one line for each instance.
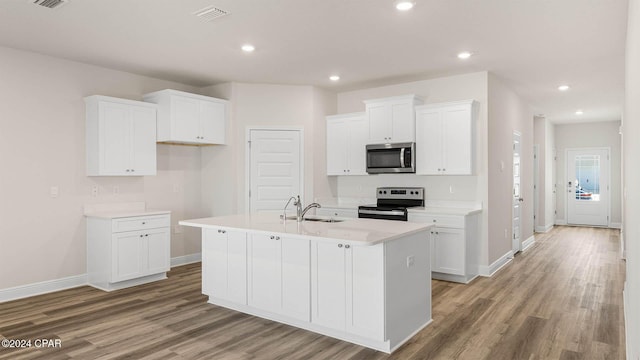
<point>360,280</point>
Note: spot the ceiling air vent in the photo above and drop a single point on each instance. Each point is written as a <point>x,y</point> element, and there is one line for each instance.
<point>51,4</point>
<point>210,12</point>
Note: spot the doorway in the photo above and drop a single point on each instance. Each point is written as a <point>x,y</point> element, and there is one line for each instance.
<point>517,195</point>
<point>274,168</point>
<point>588,187</point>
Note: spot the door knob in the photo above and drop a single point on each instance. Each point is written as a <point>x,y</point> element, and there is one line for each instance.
<point>521,199</point>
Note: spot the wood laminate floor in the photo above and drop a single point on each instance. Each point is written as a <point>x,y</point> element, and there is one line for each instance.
<point>561,299</point>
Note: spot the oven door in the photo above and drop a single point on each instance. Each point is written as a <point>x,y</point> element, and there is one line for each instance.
<point>391,158</point>
<point>399,214</point>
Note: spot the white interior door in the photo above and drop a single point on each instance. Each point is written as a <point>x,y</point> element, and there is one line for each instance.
<point>517,197</point>
<point>588,187</point>
<point>275,168</point>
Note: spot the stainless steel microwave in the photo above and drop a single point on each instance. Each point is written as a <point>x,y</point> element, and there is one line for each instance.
<point>391,158</point>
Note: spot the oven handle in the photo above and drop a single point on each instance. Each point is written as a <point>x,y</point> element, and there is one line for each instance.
<point>402,157</point>
<point>377,212</point>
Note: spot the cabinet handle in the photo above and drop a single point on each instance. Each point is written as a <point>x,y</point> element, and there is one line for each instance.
<point>146,234</point>
<point>437,233</point>
<point>434,220</point>
<point>132,170</point>
<point>277,237</point>
<point>271,237</point>
<point>339,245</point>
<point>443,169</point>
<point>224,231</point>
<point>141,235</point>
<point>347,246</point>
<point>219,231</point>
<point>144,223</point>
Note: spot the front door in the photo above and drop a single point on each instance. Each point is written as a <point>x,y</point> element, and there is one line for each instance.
<point>588,187</point>
<point>275,172</point>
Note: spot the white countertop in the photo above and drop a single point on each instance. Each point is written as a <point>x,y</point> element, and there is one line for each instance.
<point>444,211</point>
<point>350,231</point>
<point>125,213</point>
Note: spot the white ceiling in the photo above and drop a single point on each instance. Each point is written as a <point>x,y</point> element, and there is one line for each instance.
<point>534,45</point>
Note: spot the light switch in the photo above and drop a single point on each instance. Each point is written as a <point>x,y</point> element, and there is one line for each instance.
<point>410,260</point>
<point>54,191</point>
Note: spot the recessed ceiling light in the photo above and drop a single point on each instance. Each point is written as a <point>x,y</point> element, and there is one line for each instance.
<point>579,112</point>
<point>563,87</point>
<point>334,77</point>
<point>464,55</point>
<point>404,5</point>
<point>248,48</point>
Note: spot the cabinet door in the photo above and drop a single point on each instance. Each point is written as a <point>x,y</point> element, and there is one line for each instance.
<point>127,256</point>
<point>265,272</point>
<point>428,142</point>
<point>365,291</point>
<point>157,246</point>
<point>143,154</point>
<point>212,122</point>
<point>356,146</point>
<point>457,140</point>
<point>328,285</point>
<point>448,255</point>
<point>114,129</point>
<point>379,123</point>
<point>224,264</point>
<point>402,122</point>
<point>296,276</point>
<point>185,119</point>
<point>337,145</point>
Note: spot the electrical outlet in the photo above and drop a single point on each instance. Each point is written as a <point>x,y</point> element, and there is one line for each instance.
<point>451,189</point>
<point>116,190</point>
<point>410,260</point>
<point>94,190</point>
<point>54,191</point>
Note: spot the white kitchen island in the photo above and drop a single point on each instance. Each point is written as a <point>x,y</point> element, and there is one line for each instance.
<point>360,280</point>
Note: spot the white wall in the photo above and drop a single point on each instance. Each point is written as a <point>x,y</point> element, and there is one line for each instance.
<point>631,181</point>
<point>508,113</point>
<point>42,144</point>
<point>598,134</point>
<point>266,106</point>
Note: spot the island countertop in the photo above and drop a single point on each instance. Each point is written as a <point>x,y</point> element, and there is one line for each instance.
<point>352,231</point>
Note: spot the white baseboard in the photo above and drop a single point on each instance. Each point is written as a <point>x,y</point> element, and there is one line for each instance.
<point>186,259</point>
<point>561,222</point>
<point>544,229</point>
<point>488,271</point>
<point>528,243</point>
<point>615,225</point>
<point>43,287</point>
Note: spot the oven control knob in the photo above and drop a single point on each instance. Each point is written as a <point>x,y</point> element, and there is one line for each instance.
<point>380,192</point>
<point>385,191</point>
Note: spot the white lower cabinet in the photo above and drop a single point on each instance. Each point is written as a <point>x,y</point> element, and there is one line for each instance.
<point>224,264</point>
<point>347,288</point>
<point>127,251</point>
<point>454,245</point>
<point>278,275</point>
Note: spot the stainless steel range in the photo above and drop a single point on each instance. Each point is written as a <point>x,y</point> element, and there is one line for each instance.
<point>392,203</point>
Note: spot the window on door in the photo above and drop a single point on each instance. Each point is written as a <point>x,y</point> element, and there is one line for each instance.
<point>587,177</point>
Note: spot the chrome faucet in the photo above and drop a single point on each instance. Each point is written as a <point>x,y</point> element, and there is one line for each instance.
<point>301,215</point>
<point>299,211</point>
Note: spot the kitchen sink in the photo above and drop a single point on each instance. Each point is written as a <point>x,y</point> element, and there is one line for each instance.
<point>323,220</point>
<point>330,220</point>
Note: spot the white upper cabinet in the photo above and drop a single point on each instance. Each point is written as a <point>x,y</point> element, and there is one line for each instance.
<point>445,138</point>
<point>392,119</point>
<point>186,118</point>
<point>120,137</point>
<point>346,140</point>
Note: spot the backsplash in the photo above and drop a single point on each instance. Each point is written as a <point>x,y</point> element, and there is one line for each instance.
<point>459,188</point>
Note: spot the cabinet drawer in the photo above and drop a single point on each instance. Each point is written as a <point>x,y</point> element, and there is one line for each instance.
<point>451,221</point>
<point>140,223</point>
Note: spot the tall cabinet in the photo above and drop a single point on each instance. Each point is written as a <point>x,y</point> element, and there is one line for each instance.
<point>120,137</point>
<point>445,138</point>
<point>346,140</point>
